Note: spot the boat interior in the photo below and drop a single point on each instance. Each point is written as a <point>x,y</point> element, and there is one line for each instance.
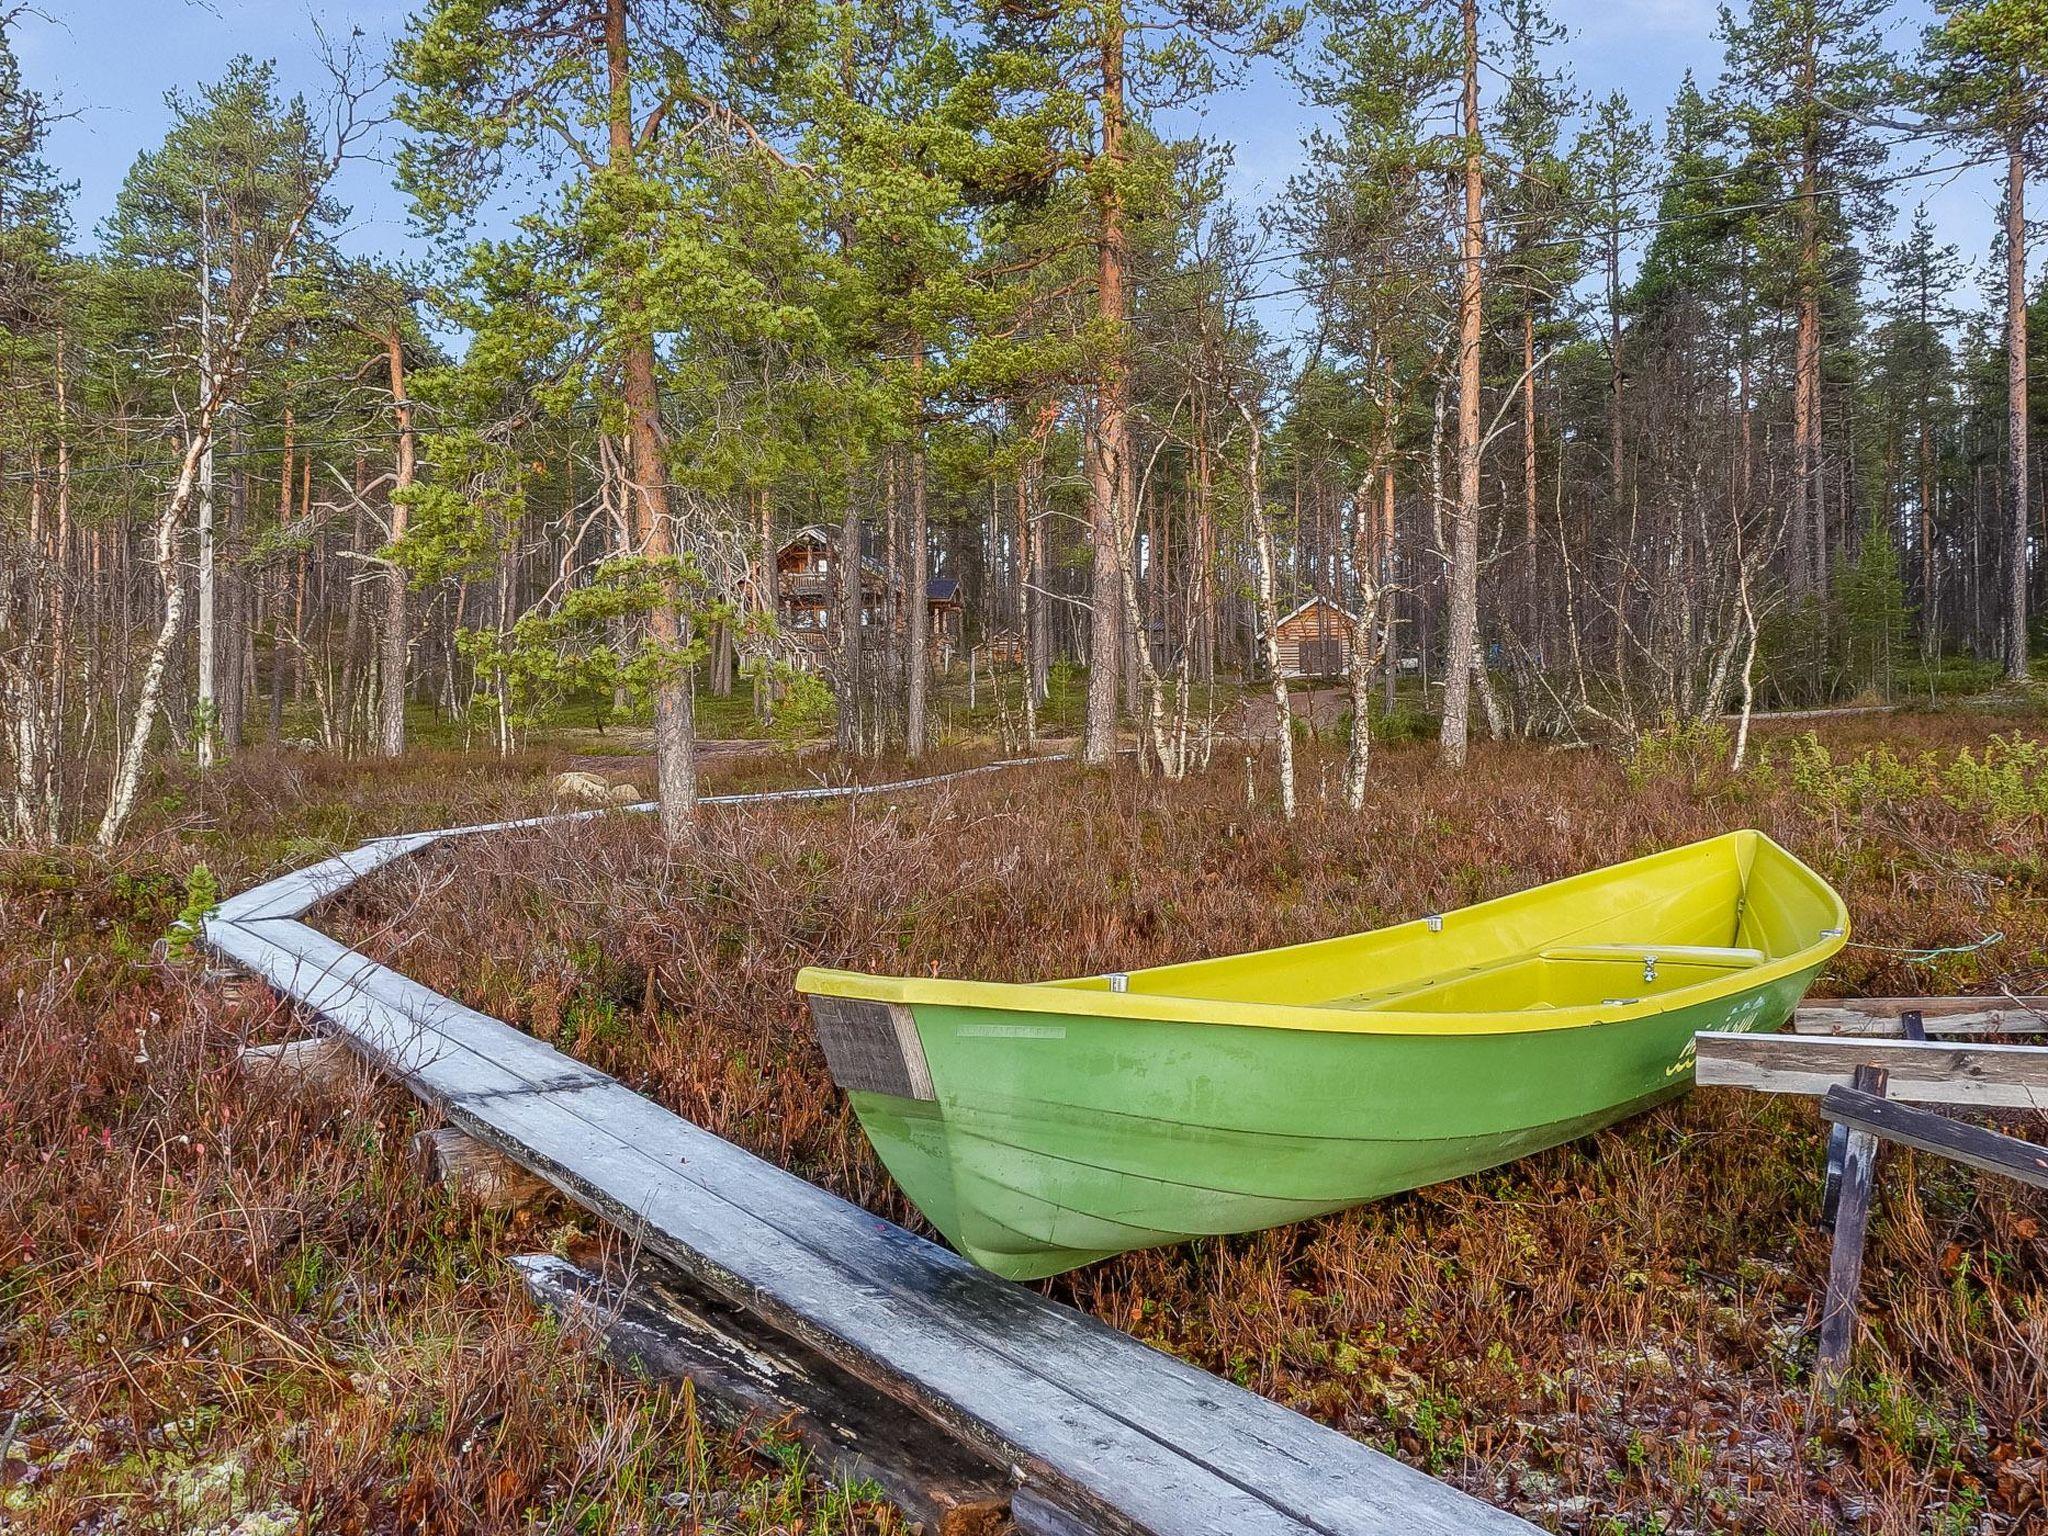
<point>1688,917</point>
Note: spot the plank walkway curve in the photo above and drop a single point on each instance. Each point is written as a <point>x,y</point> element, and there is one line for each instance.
<point>1099,1431</point>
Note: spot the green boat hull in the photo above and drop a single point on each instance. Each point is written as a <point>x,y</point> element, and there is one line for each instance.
<point>1054,1144</point>
<point>1043,1126</point>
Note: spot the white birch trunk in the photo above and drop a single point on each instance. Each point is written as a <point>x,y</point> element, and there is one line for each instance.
<point>1269,612</point>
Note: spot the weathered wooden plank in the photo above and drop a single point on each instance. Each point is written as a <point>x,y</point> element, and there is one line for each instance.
<point>1982,1149</point>
<point>743,1230</point>
<point>1106,1423</point>
<point>1883,1016</point>
<point>1033,1514</point>
<point>1852,1223</point>
<point>289,895</point>
<point>1101,1422</point>
<point>1922,1071</point>
<point>657,1324</point>
<point>1109,1432</point>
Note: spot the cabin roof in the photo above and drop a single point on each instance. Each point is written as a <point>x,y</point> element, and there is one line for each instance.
<point>1301,608</point>
<point>940,589</point>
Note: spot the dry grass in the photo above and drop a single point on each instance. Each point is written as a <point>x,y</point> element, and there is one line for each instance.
<point>1612,1337</point>
<point>225,1307</point>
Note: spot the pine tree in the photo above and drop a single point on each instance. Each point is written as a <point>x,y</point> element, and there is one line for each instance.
<point>1080,77</point>
<point>196,226</point>
<point>1384,274</point>
<point>1914,379</point>
<point>1805,75</point>
<point>1615,161</point>
<point>1870,597</point>
<point>1988,69</point>
<point>519,89</point>
<point>35,664</point>
<point>1538,258</point>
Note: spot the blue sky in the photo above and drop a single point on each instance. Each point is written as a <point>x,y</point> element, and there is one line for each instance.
<point>108,63</point>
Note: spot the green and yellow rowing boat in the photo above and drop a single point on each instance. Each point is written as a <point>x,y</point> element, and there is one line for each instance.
<point>1047,1126</point>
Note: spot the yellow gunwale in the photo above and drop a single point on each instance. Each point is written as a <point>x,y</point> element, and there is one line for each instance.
<point>1090,997</point>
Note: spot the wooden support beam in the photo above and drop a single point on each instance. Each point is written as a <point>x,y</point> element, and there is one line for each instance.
<point>1831,1183</point>
<point>475,1171</point>
<point>1922,1071</point>
<point>1852,1222</point>
<point>1982,1149</point>
<point>1884,1016</point>
<point>656,1323</point>
<point>318,1062</point>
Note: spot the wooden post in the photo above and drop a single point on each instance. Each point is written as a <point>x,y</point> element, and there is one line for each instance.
<point>476,1172</point>
<point>1852,1220</point>
<point>317,1062</point>
<point>1831,1184</point>
<point>661,1326</point>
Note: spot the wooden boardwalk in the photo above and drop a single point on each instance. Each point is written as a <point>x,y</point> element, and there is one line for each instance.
<point>1097,1431</point>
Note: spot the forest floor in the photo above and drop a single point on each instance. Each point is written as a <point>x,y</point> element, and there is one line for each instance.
<point>231,1309</point>
<point>218,1304</point>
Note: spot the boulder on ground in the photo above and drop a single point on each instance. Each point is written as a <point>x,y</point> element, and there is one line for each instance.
<point>625,794</point>
<point>587,787</point>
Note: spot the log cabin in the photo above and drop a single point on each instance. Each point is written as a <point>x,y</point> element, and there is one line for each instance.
<point>1315,640</point>
<point>807,594</point>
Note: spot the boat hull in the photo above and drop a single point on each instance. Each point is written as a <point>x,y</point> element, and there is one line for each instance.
<point>1052,1141</point>
<point>1041,1126</point>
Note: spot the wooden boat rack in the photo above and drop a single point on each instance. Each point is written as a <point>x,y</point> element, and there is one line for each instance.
<point>1864,1060</point>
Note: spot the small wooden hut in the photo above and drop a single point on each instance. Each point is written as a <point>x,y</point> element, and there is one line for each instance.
<point>1315,640</point>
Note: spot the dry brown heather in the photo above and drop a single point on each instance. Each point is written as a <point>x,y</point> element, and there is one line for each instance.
<point>217,1299</point>
<point>227,1308</point>
<point>1612,1337</point>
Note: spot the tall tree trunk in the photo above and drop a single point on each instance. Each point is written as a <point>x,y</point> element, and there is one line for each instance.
<point>1460,655</point>
<point>60,591</point>
<point>396,638</point>
<point>1367,557</point>
<point>278,577</point>
<point>1109,442</point>
<point>1027,605</point>
<point>1809,535</point>
<point>1531,549</point>
<point>208,723</point>
<point>1390,650</point>
<point>675,725</point>
<point>234,606</point>
<point>851,636</point>
<point>765,592</point>
<point>1617,423</point>
<point>128,770</point>
<point>918,582</point>
<point>1930,594</point>
<point>1269,607</point>
<point>2016,407</point>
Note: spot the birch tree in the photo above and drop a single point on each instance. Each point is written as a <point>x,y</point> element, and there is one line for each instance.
<point>288,203</point>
